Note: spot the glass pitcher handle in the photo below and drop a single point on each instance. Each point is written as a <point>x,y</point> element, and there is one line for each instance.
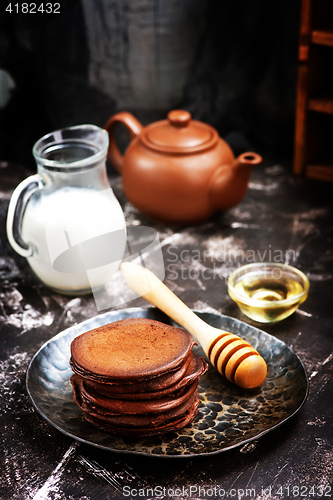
<point>16,209</point>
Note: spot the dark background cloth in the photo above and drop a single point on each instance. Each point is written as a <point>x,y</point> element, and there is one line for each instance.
<point>232,64</point>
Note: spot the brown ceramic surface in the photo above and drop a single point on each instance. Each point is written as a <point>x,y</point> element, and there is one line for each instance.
<point>179,170</point>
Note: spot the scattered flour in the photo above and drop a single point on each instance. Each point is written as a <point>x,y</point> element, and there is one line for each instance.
<point>258,186</point>
<point>199,305</point>
<point>50,489</point>
<point>23,317</point>
<point>220,248</point>
<point>28,318</point>
<point>12,370</point>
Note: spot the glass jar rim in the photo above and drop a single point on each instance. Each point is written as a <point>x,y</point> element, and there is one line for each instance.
<point>242,271</point>
<point>100,154</point>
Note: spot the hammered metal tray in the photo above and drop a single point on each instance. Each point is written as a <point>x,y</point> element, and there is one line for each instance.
<point>228,416</point>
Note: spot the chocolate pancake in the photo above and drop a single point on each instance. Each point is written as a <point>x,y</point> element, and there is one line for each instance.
<point>130,350</point>
<point>124,389</point>
<point>171,425</point>
<point>102,404</point>
<point>147,419</point>
<point>196,367</point>
<point>136,377</point>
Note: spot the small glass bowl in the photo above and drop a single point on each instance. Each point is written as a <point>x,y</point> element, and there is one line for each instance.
<point>268,292</point>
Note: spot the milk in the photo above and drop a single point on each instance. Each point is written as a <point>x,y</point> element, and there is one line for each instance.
<point>73,231</point>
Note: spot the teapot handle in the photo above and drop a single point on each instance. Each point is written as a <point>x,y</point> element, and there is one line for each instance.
<point>16,208</point>
<point>134,127</point>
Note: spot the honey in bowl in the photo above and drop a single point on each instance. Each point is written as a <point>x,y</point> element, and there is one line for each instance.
<point>268,292</point>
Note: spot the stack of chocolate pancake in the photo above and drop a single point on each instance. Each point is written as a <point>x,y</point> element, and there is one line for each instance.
<point>136,377</point>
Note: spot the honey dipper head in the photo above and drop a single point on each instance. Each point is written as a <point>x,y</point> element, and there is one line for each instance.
<point>237,360</point>
<point>251,372</point>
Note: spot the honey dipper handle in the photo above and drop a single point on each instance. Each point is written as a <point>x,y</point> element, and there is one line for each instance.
<point>150,287</point>
<point>233,357</point>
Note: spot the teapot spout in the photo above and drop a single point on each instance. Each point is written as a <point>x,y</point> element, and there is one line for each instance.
<point>230,182</point>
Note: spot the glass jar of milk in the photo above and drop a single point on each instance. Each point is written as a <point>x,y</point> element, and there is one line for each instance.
<point>65,219</point>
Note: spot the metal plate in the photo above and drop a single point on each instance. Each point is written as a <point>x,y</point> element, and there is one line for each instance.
<point>228,416</point>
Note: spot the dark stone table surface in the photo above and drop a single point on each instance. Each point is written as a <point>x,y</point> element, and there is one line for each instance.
<point>280,215</point>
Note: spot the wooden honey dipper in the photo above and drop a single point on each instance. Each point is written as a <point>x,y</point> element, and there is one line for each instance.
<point>232,356</point>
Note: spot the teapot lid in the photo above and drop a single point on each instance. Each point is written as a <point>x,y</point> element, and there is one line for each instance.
<point>179,134</point>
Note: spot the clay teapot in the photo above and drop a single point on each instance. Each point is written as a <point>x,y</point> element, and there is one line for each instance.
<point>179,170</point>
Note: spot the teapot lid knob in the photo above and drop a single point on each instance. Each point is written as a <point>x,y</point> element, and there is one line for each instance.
<point>179,134</point>
<point>179,118</point>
